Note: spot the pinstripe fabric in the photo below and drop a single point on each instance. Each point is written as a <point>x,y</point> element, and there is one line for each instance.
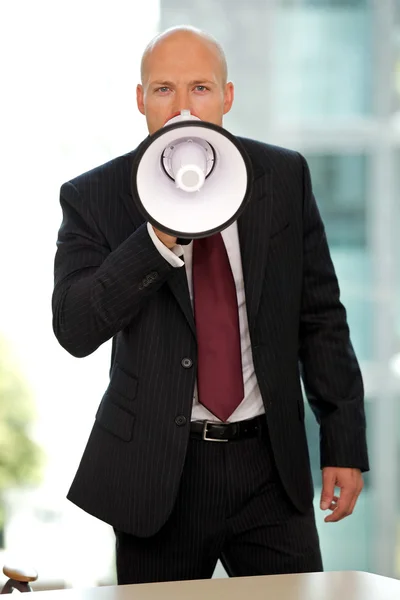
<point>111,282</point>
<point>231,506</point>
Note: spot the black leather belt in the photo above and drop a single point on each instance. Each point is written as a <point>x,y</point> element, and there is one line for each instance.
<point>211,431</point>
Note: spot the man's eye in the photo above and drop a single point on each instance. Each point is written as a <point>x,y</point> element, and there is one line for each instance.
<point>163,89</point>
<point>201,88</point>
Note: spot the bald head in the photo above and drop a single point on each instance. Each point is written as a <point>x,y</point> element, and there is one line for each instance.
<point>184,33</point>
<point>183,68</point>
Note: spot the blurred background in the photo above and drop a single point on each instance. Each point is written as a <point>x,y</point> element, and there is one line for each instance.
<point>319,76</point>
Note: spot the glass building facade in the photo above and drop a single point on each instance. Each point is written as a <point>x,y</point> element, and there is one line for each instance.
<point>323,77</point>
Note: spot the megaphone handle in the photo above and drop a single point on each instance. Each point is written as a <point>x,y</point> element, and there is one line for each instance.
<point>182,241</point>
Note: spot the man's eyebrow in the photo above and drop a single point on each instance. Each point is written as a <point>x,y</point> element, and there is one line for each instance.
<point>201,82</point>
<point>162,83</point>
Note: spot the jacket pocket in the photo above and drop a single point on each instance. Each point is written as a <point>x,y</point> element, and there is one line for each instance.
<point>123,383</point>
<point>115,419</point>
<point>279,231</point>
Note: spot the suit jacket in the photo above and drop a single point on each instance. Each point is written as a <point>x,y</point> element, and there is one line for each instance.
<point>111,282</point>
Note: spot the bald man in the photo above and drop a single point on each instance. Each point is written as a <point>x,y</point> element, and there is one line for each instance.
<point>153,467</point>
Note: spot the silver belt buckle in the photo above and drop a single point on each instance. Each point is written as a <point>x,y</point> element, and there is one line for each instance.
<point>205,430</point>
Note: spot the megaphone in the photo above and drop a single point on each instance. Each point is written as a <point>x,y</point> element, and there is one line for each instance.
<point>191,178</point>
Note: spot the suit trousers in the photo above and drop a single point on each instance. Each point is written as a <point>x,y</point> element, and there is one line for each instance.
<point>230,506</point>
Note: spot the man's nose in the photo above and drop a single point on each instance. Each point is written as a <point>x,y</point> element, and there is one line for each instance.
<point>182,100</point>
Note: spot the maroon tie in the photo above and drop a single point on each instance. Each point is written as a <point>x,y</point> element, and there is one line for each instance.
<point>219,370</point>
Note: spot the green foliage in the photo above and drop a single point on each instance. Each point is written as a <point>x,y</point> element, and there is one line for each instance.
<point>20,456</point>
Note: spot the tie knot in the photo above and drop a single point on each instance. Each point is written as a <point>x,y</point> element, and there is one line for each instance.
<point>209,243</point>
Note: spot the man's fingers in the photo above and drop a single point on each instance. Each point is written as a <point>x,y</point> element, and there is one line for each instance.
<point>334,503</point>
<point>328,489</point>
<point>350,483</point>
<point>344,506</point>
<point>353,504</point>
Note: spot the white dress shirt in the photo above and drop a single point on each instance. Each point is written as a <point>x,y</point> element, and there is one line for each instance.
<point>252,404</point>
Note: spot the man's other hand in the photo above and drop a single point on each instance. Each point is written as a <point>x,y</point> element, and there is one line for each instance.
<point>350,482</point>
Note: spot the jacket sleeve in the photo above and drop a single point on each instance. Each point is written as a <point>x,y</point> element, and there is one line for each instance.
<point>97,292</point>
<point>330,370</point>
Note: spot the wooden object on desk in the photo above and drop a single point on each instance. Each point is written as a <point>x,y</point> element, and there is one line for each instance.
<point>346,585</point>
<point>19,578</point>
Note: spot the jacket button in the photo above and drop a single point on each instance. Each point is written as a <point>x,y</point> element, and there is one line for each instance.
<point>186,363</point>
<point>180,420</point>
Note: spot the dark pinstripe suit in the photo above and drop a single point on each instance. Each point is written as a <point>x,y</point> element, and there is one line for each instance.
<point>110,281</point>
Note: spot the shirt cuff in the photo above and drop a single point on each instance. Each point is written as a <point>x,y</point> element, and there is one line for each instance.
<point>172,256</point>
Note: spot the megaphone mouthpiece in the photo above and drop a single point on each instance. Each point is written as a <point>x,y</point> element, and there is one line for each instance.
<point>183,115</point>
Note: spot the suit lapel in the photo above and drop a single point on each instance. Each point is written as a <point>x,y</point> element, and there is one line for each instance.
<point>254,227</point>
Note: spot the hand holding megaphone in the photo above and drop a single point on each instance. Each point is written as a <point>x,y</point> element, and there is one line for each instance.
<point>191,179</point>
<point>168,240</point>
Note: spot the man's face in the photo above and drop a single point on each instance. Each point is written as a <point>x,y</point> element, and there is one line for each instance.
<point>181,72</point>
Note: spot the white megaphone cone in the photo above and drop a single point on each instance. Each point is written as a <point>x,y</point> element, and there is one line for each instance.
<point>186,156</point>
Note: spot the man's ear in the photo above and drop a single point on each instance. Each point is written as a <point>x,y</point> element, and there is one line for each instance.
<point>229,95</point>
<point>140,98</point>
